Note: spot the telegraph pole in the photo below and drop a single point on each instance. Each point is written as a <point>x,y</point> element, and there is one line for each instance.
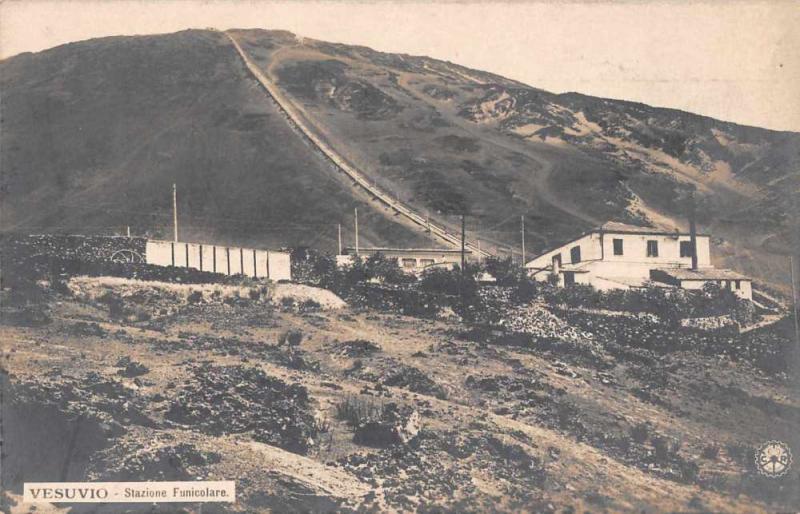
<point>356,211</point>
<point>340,239</point>
<point>128,230</point>
<point>693,229</point>
<point>463,244</point>
<point>175,212</point>
<point>794,301</point>
<point>522,230</point>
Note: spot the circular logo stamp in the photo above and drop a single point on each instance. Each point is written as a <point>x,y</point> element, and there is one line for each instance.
<point>773,458</point>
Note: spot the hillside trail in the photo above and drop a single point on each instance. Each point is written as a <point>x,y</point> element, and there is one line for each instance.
<point>540,176</point>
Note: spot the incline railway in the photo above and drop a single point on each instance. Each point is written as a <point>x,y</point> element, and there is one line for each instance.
<point>296,120</point>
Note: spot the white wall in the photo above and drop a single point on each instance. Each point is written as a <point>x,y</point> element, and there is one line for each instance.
<point>634,248</point>
<point>272,265</point>
<point>598,252</point>
<point>590,250</point>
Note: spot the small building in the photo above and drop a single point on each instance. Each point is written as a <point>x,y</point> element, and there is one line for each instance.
<point>684,278</point>
<point>621,256</point>
<point>411,260</point>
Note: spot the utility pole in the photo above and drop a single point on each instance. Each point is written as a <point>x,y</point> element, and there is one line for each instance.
<point>356,211</point>
<point>175,212</point>
<point>128,230</point>
<point>463,244</point>
<point>693,229</point>
<point>794,301</point>
<point>522,230</point>
<point>340,239</point>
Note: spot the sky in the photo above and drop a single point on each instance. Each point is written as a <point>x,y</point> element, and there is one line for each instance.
<point>735,60</point>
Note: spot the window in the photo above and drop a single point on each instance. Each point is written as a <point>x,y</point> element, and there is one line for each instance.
<point>652,248</point>
<point>569,278</point>
<point>738,284</point>
<point>424,263</point>
<point>557,260</point>
<point>686,249</point>
<point>409,263</point>
<point>575,254</point>
<point>617,246</point>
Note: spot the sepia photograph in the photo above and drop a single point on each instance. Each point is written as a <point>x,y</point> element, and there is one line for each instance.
<point>409,256</point>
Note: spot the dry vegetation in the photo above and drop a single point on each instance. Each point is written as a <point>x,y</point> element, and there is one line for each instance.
<point>315,408</point>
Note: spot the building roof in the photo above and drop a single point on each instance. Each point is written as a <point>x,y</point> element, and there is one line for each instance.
<point>702,274</point>
<point>624,228</point>
<point>407,250</point>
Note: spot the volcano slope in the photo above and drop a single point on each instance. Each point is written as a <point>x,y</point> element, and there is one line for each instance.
<point>449,139</point>
<point>204,381</point>
<point>95,132</point>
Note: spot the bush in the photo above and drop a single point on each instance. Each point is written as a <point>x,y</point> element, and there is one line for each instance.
<point>115,304</point>
<point>689,470</point>
<point>710,452</point>
<point>310,306</point>
<point>640,433</point>
<point>661,449</point>
<point>505,272</point>
<point>291,337</point>
<point>450,282</point>
<point>357,410</point>
<point>377,266</point>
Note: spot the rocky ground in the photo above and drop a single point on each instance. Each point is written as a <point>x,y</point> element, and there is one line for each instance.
<point>312,406</point>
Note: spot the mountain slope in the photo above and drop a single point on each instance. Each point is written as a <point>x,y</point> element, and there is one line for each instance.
<point>94,133</point>
<point>448,139</point>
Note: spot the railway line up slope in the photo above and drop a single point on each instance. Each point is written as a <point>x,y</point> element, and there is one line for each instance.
<point>294,118</point>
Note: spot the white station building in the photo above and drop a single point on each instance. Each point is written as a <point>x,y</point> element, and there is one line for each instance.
<point>621,256</point>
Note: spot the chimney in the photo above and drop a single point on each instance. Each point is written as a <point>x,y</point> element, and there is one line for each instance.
<point>693,231</point>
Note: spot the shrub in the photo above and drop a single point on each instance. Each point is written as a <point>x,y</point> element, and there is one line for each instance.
<point>418,303</point>
<point>291,337</point>
<point>357,410</point>
<point>451,282</point>
<point>689,470</point>
<point>640,433</point>
<point>386,270</point>
<point>310,306</point>
<point>115,304</point>
<point>195,297</point>
<point>661,449</point>
<point>505,272</point>
<point>525,290</point>
<point>710,452</point>
<point>741,454</point>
